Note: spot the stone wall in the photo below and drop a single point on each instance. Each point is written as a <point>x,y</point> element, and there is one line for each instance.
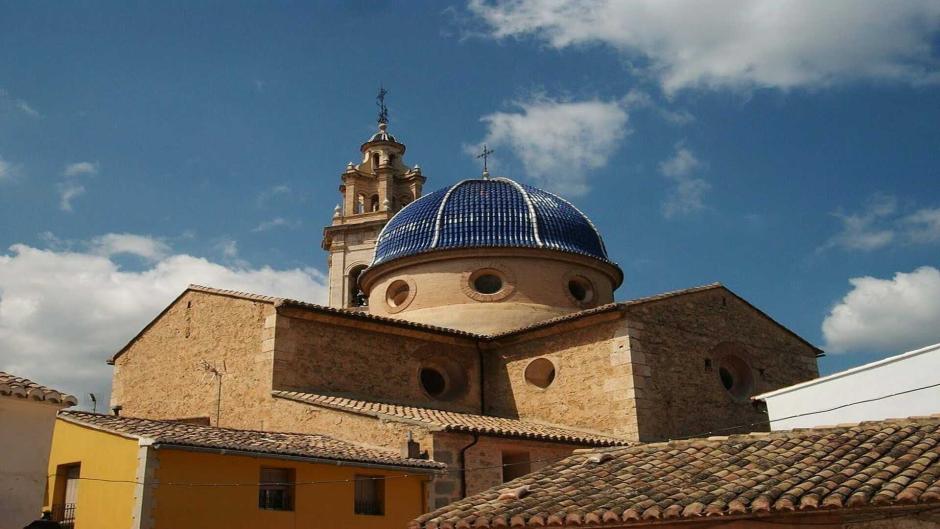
<point>162,376</point>
<point>372,362</point>
<point>483,462</point>
<point>679,344</point>
<point>592,386</point>
<point>290,416</point>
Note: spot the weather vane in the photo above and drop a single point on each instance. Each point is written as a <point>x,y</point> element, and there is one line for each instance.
<point>485,154</point>
<point>380,101</point>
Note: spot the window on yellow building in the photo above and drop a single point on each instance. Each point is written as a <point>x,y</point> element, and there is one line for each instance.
<point>276,491</point>
<point>515,465</point>
<point>370,495</point>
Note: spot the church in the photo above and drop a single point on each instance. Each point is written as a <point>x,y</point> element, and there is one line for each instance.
<point>474,326</point>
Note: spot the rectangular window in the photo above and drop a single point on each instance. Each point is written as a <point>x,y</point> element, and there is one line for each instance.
<point>370,495</point>
<point>276,491</point>
<point>515,465</point>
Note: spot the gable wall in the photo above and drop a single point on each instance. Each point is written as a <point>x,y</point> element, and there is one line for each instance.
<point>674,337</point>
<point>593,385</point>
<point>361,362</point>
<point>161,376</point>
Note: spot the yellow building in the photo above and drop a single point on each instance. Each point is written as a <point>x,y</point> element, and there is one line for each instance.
<point>109,472</point>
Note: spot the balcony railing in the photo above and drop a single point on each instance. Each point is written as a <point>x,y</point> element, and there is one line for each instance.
<point>64,513</point>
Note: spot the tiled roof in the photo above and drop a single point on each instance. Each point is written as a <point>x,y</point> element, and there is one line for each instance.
<point>450,421</point>
<point>14,386</point>
<point>872,464</point>
<point>313,446</point>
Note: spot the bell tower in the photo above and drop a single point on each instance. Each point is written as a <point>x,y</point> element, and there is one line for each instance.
<point>372,192</point>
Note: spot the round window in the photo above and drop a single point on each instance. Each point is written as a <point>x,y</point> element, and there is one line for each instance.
<point>487,283</point>
<point>581,289</point>
<point>540,372</point>
<point>433,381</point>
<point>397,293</point>
<point>735,376</point>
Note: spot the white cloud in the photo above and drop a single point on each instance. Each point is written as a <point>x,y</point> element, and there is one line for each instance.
<point>69,191</point>
<point>228,248</point>
<point>268,194</point>
<point>686,196</point>
<point>881,223</point>
<point>866,230</point>
<point>923,226</point>
<point>559,142</point>
<point>63,313</point>
<point>738,43</point>
<point>26,109</point>
<point>112,244</point>
<point>6,170</point>
<point>81,168</point>
<point>277,222</point>
<point>886,315</point>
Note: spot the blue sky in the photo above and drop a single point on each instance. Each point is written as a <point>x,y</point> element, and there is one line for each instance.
<point>788,150</point>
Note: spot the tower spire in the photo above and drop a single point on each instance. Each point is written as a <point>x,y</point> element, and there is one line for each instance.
<point>380,101</point>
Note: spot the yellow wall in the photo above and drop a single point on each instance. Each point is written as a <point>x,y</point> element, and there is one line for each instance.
<point>316,505</point>
<point>177,505</point>
<point>101,504</point>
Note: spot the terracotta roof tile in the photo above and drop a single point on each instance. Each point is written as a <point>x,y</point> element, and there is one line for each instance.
<point>14,386</point>
<point>314,446</point>
<point>450,421</point>
<point>882,463</point>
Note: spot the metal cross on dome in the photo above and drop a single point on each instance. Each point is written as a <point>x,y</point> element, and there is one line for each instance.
<point>380,101</point>
<point>485,154</point>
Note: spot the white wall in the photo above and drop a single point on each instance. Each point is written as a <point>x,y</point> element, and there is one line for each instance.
<point>25,439</point>
<point>892,375</point>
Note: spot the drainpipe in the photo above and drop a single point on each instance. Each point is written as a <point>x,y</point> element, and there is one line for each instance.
<point>482,378</point>
<point>463,466</point>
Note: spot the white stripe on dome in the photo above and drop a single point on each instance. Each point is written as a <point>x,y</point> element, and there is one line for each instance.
<point>440,212</point>
<point>529,204</point>
<point>589,221</point>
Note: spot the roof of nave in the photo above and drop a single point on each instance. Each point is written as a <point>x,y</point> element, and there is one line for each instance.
<point>450,421</point>
<point>14,386</point>
<point>878,464</point>
<point>383,320</point>
<point>274,444</point>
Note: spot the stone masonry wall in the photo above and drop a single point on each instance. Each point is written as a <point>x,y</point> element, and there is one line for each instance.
<point>161,375</point>
<point>359,361</point>
<point>290,416</point>
<point>593,385</point>
<point>483,462</point>
<point>676,353</point>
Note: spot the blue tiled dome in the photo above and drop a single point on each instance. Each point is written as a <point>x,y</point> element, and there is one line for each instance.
<point>488,213</point>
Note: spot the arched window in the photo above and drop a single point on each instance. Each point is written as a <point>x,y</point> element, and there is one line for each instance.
<point>374,204</point>
<point>360,203</point>
<point>375,161</point>
<point>404,200</point>
<point>355,296</point>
